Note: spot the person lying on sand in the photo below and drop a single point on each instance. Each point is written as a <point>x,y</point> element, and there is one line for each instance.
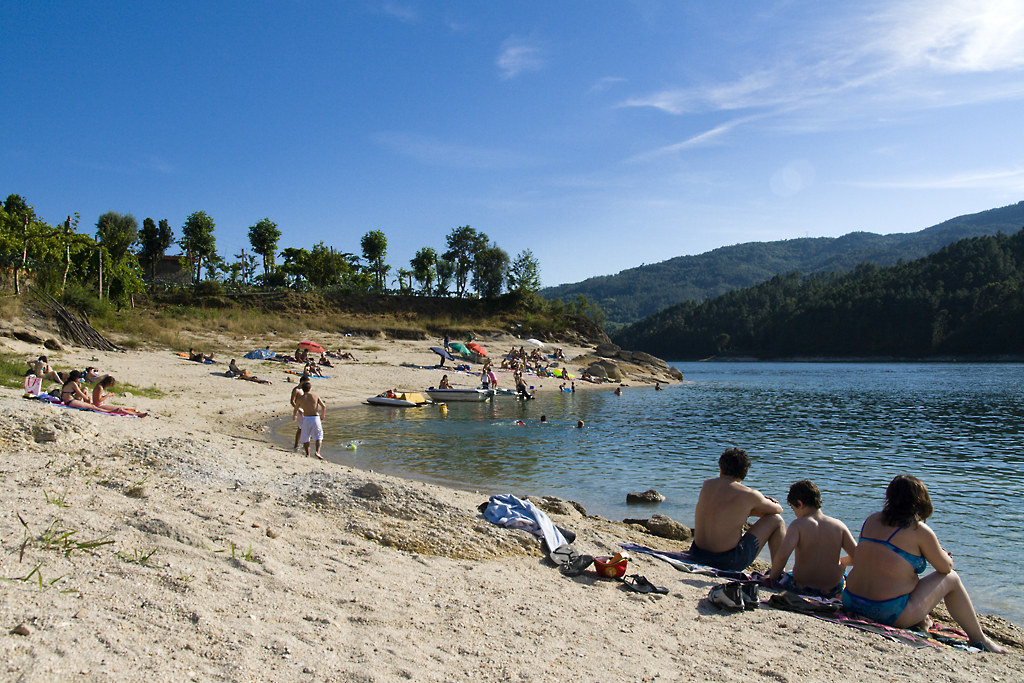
<point>100,395</point>
<point>895,546</point>
<point>239,373</point>
<point>199,357</point>
<point>324,361</point>
<point>313,410</point>
<point>818,541</point>
<point>723,506</point>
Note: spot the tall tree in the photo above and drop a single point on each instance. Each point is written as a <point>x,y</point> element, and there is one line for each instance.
<point>424,268</point>
<point>264,237</point>
<point>155,240</point>
<point>375,248</point>
<point>198,242</point>
<point>117,233</point>
<point>445,272</point>
<point>524,274</point>
<point>463,245</point>
<point>489,271</point>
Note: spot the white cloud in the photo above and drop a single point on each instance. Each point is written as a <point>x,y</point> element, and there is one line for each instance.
<point>990,179</point>
<point>401,12</point>
<point>518,56</point>
<point>704,139</point>
<point>955,36</point>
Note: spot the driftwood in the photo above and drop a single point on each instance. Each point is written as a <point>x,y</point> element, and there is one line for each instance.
<point>74,328</point>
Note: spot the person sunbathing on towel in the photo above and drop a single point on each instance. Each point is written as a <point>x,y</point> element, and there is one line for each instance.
<point>238,372</point>
<point>818,541</point>
<point>100,395</point>
<point>72,395</point>
<point>199,357</point>
<point>723,507</point>
<point>895,546</point>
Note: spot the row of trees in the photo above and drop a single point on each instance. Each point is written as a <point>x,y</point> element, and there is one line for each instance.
<point>116,262</point>
<point>965,299</point>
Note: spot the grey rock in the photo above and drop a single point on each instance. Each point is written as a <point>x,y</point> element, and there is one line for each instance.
<point>608,350</point>
<point>26,336</point>
<point>648,496</point>
<point>44,434</point>
<point>648,359</point>
<point>370,490</point>
<point>53,345</point>
<point>663,527</point>
<point>675,373</point>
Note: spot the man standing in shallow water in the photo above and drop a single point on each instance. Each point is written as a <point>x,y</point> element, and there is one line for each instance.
<point>296,392</point>
<point>313,409</point>
<point>723,507</point>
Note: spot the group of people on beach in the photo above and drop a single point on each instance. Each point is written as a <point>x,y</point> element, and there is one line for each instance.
<point>74,395</point>
<point>894,548</point>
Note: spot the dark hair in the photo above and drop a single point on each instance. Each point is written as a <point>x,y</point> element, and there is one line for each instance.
<point>734,462</point>
<point>75,376</point>
<point>305,385</point>
<point>107,381</point>
<point>906,501</point>
<point>806,492</point>
<point>44,359</point>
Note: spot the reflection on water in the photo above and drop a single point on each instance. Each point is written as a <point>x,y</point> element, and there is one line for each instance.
<point>849,427</point>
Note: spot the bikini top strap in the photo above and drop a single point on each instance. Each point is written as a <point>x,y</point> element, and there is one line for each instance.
<point>889,540</point>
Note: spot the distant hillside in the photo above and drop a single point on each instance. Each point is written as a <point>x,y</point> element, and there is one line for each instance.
<point>638,292</point>
<point>965,300</point>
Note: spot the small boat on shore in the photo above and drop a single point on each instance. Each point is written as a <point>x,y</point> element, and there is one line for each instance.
<point>408,399</point>
<point>459,394</point>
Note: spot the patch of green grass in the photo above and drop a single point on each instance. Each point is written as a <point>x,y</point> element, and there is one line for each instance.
<point>12,371</point>
<point>59,538</point>
<point>139,557</point>
<point>38,574</point>
<point>58,499</point>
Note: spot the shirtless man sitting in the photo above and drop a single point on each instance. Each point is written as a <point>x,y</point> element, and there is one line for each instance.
<point>818,541</point>
<point>313,409</point>
<point>723,507</point>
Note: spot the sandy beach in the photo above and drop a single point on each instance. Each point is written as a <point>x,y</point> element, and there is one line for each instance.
<point>188,545</point>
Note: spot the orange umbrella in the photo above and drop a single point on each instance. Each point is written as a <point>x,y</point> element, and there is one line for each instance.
<point>473,346</point>
<point>312,346</point>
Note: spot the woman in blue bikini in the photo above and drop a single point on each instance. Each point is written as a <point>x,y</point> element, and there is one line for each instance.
<point>895,546</point>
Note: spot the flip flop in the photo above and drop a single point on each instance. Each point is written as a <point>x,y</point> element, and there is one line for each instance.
<point>576,566</point>
<point>640,584</point>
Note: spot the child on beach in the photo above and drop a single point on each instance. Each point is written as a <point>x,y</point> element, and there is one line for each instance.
<point>313,409</point>
<point>818,541</point>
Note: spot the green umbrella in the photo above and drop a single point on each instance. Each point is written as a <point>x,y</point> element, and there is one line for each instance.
<point>460,348</point>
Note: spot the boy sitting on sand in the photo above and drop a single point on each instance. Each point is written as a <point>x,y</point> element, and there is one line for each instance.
<point>817,540</point>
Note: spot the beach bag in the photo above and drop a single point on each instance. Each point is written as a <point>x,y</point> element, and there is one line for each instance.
<point>33,385</point>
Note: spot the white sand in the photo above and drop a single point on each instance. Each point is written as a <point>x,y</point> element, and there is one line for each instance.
<point>233,559</point>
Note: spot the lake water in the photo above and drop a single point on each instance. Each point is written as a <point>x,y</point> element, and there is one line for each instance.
<point>848,427</point>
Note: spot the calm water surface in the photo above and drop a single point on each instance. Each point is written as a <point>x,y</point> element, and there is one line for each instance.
<point>849,427</point>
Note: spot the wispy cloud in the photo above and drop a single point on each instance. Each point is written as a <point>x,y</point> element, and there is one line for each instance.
<point>439,153</point>
<point>519,56</point>
<point>405,13</point>
<point>606,83</point>
<point>989,179</point>
<point>915,54</point>
<point>708,137</point>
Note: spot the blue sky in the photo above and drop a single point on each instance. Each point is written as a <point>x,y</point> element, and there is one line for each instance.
<point>600,135</point>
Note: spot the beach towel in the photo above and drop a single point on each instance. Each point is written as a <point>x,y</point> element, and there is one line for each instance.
<point>684,563</point>
<point>508,511</point>
<point>260,354</point>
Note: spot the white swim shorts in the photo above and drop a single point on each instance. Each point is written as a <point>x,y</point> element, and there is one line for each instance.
<point>312,430</point>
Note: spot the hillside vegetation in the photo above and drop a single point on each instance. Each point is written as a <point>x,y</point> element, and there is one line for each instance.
<point>638,292</point>
<point>966,300</point>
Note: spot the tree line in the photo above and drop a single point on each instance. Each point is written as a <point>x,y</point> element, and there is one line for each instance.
<point>119,259</point>
<point>636,293</point>
<point>967,299</point>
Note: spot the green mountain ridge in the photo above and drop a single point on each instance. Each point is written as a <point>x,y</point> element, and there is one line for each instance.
<point>966,300</point>
<point>636,293</point>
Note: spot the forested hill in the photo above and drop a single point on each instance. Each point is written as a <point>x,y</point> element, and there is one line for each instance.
<point>966,300</point>
<point>638,292</point>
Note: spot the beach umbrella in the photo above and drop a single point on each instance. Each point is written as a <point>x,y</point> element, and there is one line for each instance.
<point>312,346</point>
<point>535,342</point>
<point>441,352</point>
<point>473,346</point>
<point>459,348</point>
